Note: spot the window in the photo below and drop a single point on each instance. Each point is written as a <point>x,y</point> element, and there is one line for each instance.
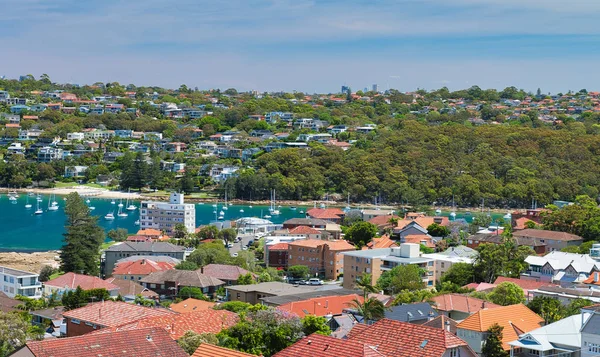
<point>533,353</point>
<point>75,321</point>
<point>593,347</point>
<point>454,352</point>
<point>430,263</point>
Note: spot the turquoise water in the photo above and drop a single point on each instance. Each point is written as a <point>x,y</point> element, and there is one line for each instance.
<point>22,230</point>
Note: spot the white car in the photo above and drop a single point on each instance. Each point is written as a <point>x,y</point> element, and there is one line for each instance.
<point>234,255</point>
<point>315,281</point>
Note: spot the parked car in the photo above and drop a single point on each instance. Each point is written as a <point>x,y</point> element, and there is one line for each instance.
<point>234,255</point>
<point>315,281</point>
<point>250,242</point>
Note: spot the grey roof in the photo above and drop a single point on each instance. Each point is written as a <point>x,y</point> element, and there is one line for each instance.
<point>161,247</point>
<point>284,299</point>
<point>583,293</point>
<point>411,312</point>
<point>274,288</point>
<point>592,325</point>
<point>307,222</point>
<point>16,272</point>
<point>460,251</point>
<point>156,258</point>
<point>548,337</point>
<point>7,304</point>
<point>53,313</point>
<point>182,278</point>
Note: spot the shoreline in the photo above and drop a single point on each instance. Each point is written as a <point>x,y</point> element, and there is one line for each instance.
<point>29,261</point>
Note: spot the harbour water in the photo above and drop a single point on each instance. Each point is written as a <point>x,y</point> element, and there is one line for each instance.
<point>22,230</point>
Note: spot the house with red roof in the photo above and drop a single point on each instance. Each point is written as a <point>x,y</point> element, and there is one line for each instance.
<point>276,255</point>
<point>148,342</point>
<point>70,282</point>
<point>321,306</point>
<point>107,314</point>
<point>383,222</point>
<point>138,269</point>
<point>327,346</point>
<point>208,350</point>
<point>458,307</point>
<point>227,273</point>
<point>381,242</point>
<point>524,284</point>
<point>328,214</point>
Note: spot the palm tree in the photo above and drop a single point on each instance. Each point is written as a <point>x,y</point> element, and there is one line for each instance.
<point>364,283</point>
<point>371,309</point>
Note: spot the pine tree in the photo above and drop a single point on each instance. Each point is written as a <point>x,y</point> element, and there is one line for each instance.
<point>81,250</point>
<point>492,346</point>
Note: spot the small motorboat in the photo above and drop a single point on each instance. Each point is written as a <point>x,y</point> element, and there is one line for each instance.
<point>92,208</point>
<point>438,211</point>
<point>112,202</point>
<point>137,223</point>
<point>109,217</point>
<point>131,207</point>
<point>87,201</point>
<point>242,210</point>
<point>267,216</point>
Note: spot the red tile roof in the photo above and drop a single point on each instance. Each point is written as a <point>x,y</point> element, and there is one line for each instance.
<point>149,232</point>
<point>86,282</point>
<point>325,213</point>
<point>208,350</point>
<point>149,342</point>
<point>381,242</point>
<point>204,321</point>
<point>317,345</point>
<point>191,305</point>
<point>523,283</point>
<point>223,272</point>
<point>462,303</point>
<point>314,243</point>
<point>419,239</point>
<point>545,234</point>
<point>383,220</point>
<point>321,306</point>
<point>141,267</point>
<point>395,338</point>
<point>114,313</point>
<point>278,246</point>
<point>304,230</point>
<point>594,279</point>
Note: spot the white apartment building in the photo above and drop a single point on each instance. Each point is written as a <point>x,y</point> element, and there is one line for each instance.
<point>75,136</point>
<point>15,282</point>
<point>164,216</point>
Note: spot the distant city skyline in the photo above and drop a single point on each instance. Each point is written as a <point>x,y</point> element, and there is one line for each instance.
<point>309,46</point>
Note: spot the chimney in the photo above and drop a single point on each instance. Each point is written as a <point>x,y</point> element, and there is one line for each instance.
<point>100,313</point>
<point>143,262</point>
<point>447,324</point>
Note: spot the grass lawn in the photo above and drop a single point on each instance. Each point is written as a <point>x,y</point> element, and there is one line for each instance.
<point>105,245</point>
<point>65,184</point>
<point>56,275</point>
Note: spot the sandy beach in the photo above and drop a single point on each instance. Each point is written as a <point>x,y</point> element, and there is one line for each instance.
<point>32,262</point>
<point>84,192</point>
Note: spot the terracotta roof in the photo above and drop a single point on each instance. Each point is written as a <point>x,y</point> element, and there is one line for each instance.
<point>304,230</point>
<point>114,313</point>
<point>86,282</point>
<point>383,220</point>
<point>205,321</point>
<point>402,339</point>
<point>462,303</point>
<point>444,323</point>
<point>149,232</point>
<point>544,234</point>
<point>419,239</point>
<point>130,287</point>
<point>523,283</point>
<point>317,345</point>
<point>516,320</point>
<point>381,242</point>
<point>278,246</point>
<point>183,278</point>
<point>314,243</point>
<point>138,238</point>
<point>208,350</point>
<point>191,305</point>
<point>141,267</point>
<point>423,221</point>
<point>520,222</point>
<point>150,342</point>
<point>223,271</point>
<point>321,306</point>
<point>593,279</point>
<point>325,213</point>
<point>480,286</point>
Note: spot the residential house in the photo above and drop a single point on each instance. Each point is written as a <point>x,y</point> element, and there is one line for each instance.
<point>458,307</point>
<point>107,314</point>
<point>525,284</point>
<point>19,108</point>
<point>138,269</point>
<point>124,133</point>
<point>75,171</point>
<point>191,305</point>
<point>129,289</point>
<point>170,282</point>
<point>590,336</point>
<point>566,295</point>
<point>208,350</point>
<point>381,242</point>
<point>16,149</point>
<point>481,237</point>
<point>149,342</point>
<point>128,249</point>
<point>323,258</point>
<point>534,215</point>
<point>327,346</point>
<point>15,282</point>
<point>376,261</point>
<point>253,293</point>
<point>369,214</point>
<point>552,240</point>
<point>8,304</point>
<point>446,259</point>
<point>561,338</point>
<point>71,281</point>
<point>416,313</point>
<point>276,255</point>
<point>47,154</point>
<point>334,215</point>
<point>515,320</point>
<point>227,273</point>
<point>444,323</point>
<point>561,268</point>
<point>75,136</point>
<point>51,319</point>
<point>38,107</point>
<point>319,224</point>
<point>328,306</point>
<point>337,129</point>
<point>321,292</point>
<point>220,173</point>
<point>152,136</point>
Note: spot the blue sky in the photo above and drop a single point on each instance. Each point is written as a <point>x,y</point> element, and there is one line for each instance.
<point>306,45</point>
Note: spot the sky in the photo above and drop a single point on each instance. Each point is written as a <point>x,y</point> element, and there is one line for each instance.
<point>306,45</point>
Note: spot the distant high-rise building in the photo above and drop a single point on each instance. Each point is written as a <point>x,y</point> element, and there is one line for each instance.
<point>375,88</point>
<point>345,89</point>
<point>165,216</point>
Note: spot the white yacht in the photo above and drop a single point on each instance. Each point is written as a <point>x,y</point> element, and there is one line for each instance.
<point>109,216</point>
<point>38,210</point>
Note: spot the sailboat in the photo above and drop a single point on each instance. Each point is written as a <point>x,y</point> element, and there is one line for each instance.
<point>54,203</point>
<point>120,203</point>
<point>87,201</point>
<point>27,205</point>
<point>130,207</point>
<point>225,204</point>
<point>38,210</point>
<point>221,215</point>
<point>348,203</point>
<point>453,213</point>
<point>241,210</point>
<point>39,198</point>
<point>53,206</point>
<point>273,210</point>
<point>112,202</point>
<point>121,213</point>
<point>109,216</point>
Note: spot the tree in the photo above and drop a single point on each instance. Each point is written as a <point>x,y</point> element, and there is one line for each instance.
<point>370,309</point>
<point>315,324</point>
<point>505,259</point>
<point>437,230</point>
<point>365,283</point>
<point>409,297</point>
<point>492,347</point>
<point>82,240</point>
<point>401,277</point>
<point>550,309</point>
<point>234,306</point>
<point>180,232</point>
<point>210,253</point>
<point>507,293</point>
<point>191,341</point>
<point>74,299</point>
<point>263,332</point>
<point>45,273</point>
<point>479,220</point>
<point>460,274</point>
<point>208,232</point>
<point>361,233</point>
<point>298,271</point>
<point>228,234</point>
<point>246,279</point>
<point>13,332</point>
<point>191,292</point>
<point>118,235</point>
<point>186,265</point>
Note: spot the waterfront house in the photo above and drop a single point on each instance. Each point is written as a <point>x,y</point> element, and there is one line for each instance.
<point>128,249</point>
<point>75,171</point>
<point>15,282</point>
<point>137,269</point>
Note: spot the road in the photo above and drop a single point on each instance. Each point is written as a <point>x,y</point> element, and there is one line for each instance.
<point>244,239</point>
